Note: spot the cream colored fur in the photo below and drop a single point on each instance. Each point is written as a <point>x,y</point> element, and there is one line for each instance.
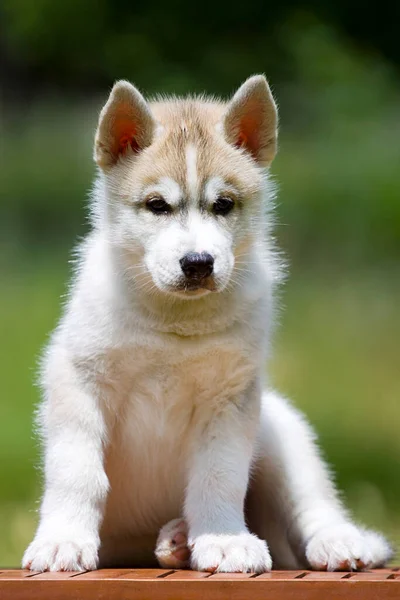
<point>153,404</point>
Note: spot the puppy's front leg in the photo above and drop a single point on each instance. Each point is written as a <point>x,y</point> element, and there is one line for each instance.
<point>218,479</point>
<point>76,485</point>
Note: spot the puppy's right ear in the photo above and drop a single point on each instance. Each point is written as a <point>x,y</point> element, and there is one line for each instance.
<point>126,125</point>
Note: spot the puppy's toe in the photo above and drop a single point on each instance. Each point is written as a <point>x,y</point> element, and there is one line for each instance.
<point>243,553</point>
<point>61,555</point>
<point>347,548</point>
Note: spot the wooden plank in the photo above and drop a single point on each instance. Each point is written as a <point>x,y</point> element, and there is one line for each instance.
<point>326,575</point>
<point>149,574</point>
<point>103,574</point>
<point>58,575</point>
<point>131,574</point>
<point>185,575</point>
<point>231,576</point>
<point>133,585</point>
<point>381,571</point>
<point>373,576</point>
<point>11,574</point>
<point>283,575</point>
<point>161,589</point>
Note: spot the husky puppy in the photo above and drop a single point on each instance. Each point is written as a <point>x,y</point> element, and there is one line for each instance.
<point>162,439</point>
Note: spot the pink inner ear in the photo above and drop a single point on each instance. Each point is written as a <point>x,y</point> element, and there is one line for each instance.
<point>125,132</point>
<point>128,139</point>
<point>242,140</point>
<point>248,137</point>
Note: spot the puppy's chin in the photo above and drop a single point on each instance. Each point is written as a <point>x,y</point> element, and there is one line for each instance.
<point>190,294</point>
<point>193,285</point>
<point>190,289</point>
<point>193,289</point>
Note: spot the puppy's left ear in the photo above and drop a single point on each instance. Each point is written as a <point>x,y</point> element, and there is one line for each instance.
<point>126,126</point>
<point>251,120</point>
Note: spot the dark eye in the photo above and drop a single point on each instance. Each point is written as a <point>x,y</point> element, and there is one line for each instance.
<point>158,206</point>
<point>223,205</point>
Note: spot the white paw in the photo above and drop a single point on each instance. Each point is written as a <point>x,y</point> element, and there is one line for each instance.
<point>347,548</point>
<point>241,553</point>
<point>46,554</point>
<point>171,549</point>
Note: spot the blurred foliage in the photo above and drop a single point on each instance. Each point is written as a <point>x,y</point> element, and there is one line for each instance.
<point>172,45</point>
<point>333,68</point>
<point>337,165</point>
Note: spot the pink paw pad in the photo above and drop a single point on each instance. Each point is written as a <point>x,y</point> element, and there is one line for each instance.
<point>171,548</point>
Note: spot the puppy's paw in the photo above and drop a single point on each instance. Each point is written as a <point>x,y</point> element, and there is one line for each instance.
<point>347,548</point>
<point>172,550</point>
<point>241,553</point>
<point>64,555</point>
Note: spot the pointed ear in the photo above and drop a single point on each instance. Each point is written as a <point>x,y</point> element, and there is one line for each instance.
<point>126,125</point>
<point>251,120</point>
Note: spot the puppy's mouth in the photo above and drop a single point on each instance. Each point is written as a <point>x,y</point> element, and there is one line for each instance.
<point>195,286</point>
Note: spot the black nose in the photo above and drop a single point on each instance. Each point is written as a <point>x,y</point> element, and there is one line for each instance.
<point>197,265</point>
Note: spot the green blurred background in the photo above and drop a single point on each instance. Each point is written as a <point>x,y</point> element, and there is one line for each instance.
<point>334,68</point>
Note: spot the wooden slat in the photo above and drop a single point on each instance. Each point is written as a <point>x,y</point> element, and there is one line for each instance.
<point>11,574</point>
<point>103,574</point>
<point>58,575</point>
<point>194,590</point>
<point>283,575</point>
<point>326,575</point>
<point>231,576</point>
<point>185,575</point>
<point>375,576</point>
<point>178,585</point>
<point>394,570</point>
<point>150,574</point>
<point>112,574</point>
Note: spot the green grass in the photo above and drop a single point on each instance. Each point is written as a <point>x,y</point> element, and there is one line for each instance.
<point>29,306</point>
<point>336,356</point>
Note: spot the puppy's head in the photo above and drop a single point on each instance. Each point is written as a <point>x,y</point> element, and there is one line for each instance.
<point>183,183</point>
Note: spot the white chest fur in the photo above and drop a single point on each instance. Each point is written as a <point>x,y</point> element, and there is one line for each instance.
<point>172,387</point>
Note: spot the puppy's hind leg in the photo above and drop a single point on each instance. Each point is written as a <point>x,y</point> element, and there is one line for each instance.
<point>291,474</point>
<point>172,550</point>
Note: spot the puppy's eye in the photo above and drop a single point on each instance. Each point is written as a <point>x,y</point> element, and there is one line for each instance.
<point>158,206</point>
<point>223,205</point>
